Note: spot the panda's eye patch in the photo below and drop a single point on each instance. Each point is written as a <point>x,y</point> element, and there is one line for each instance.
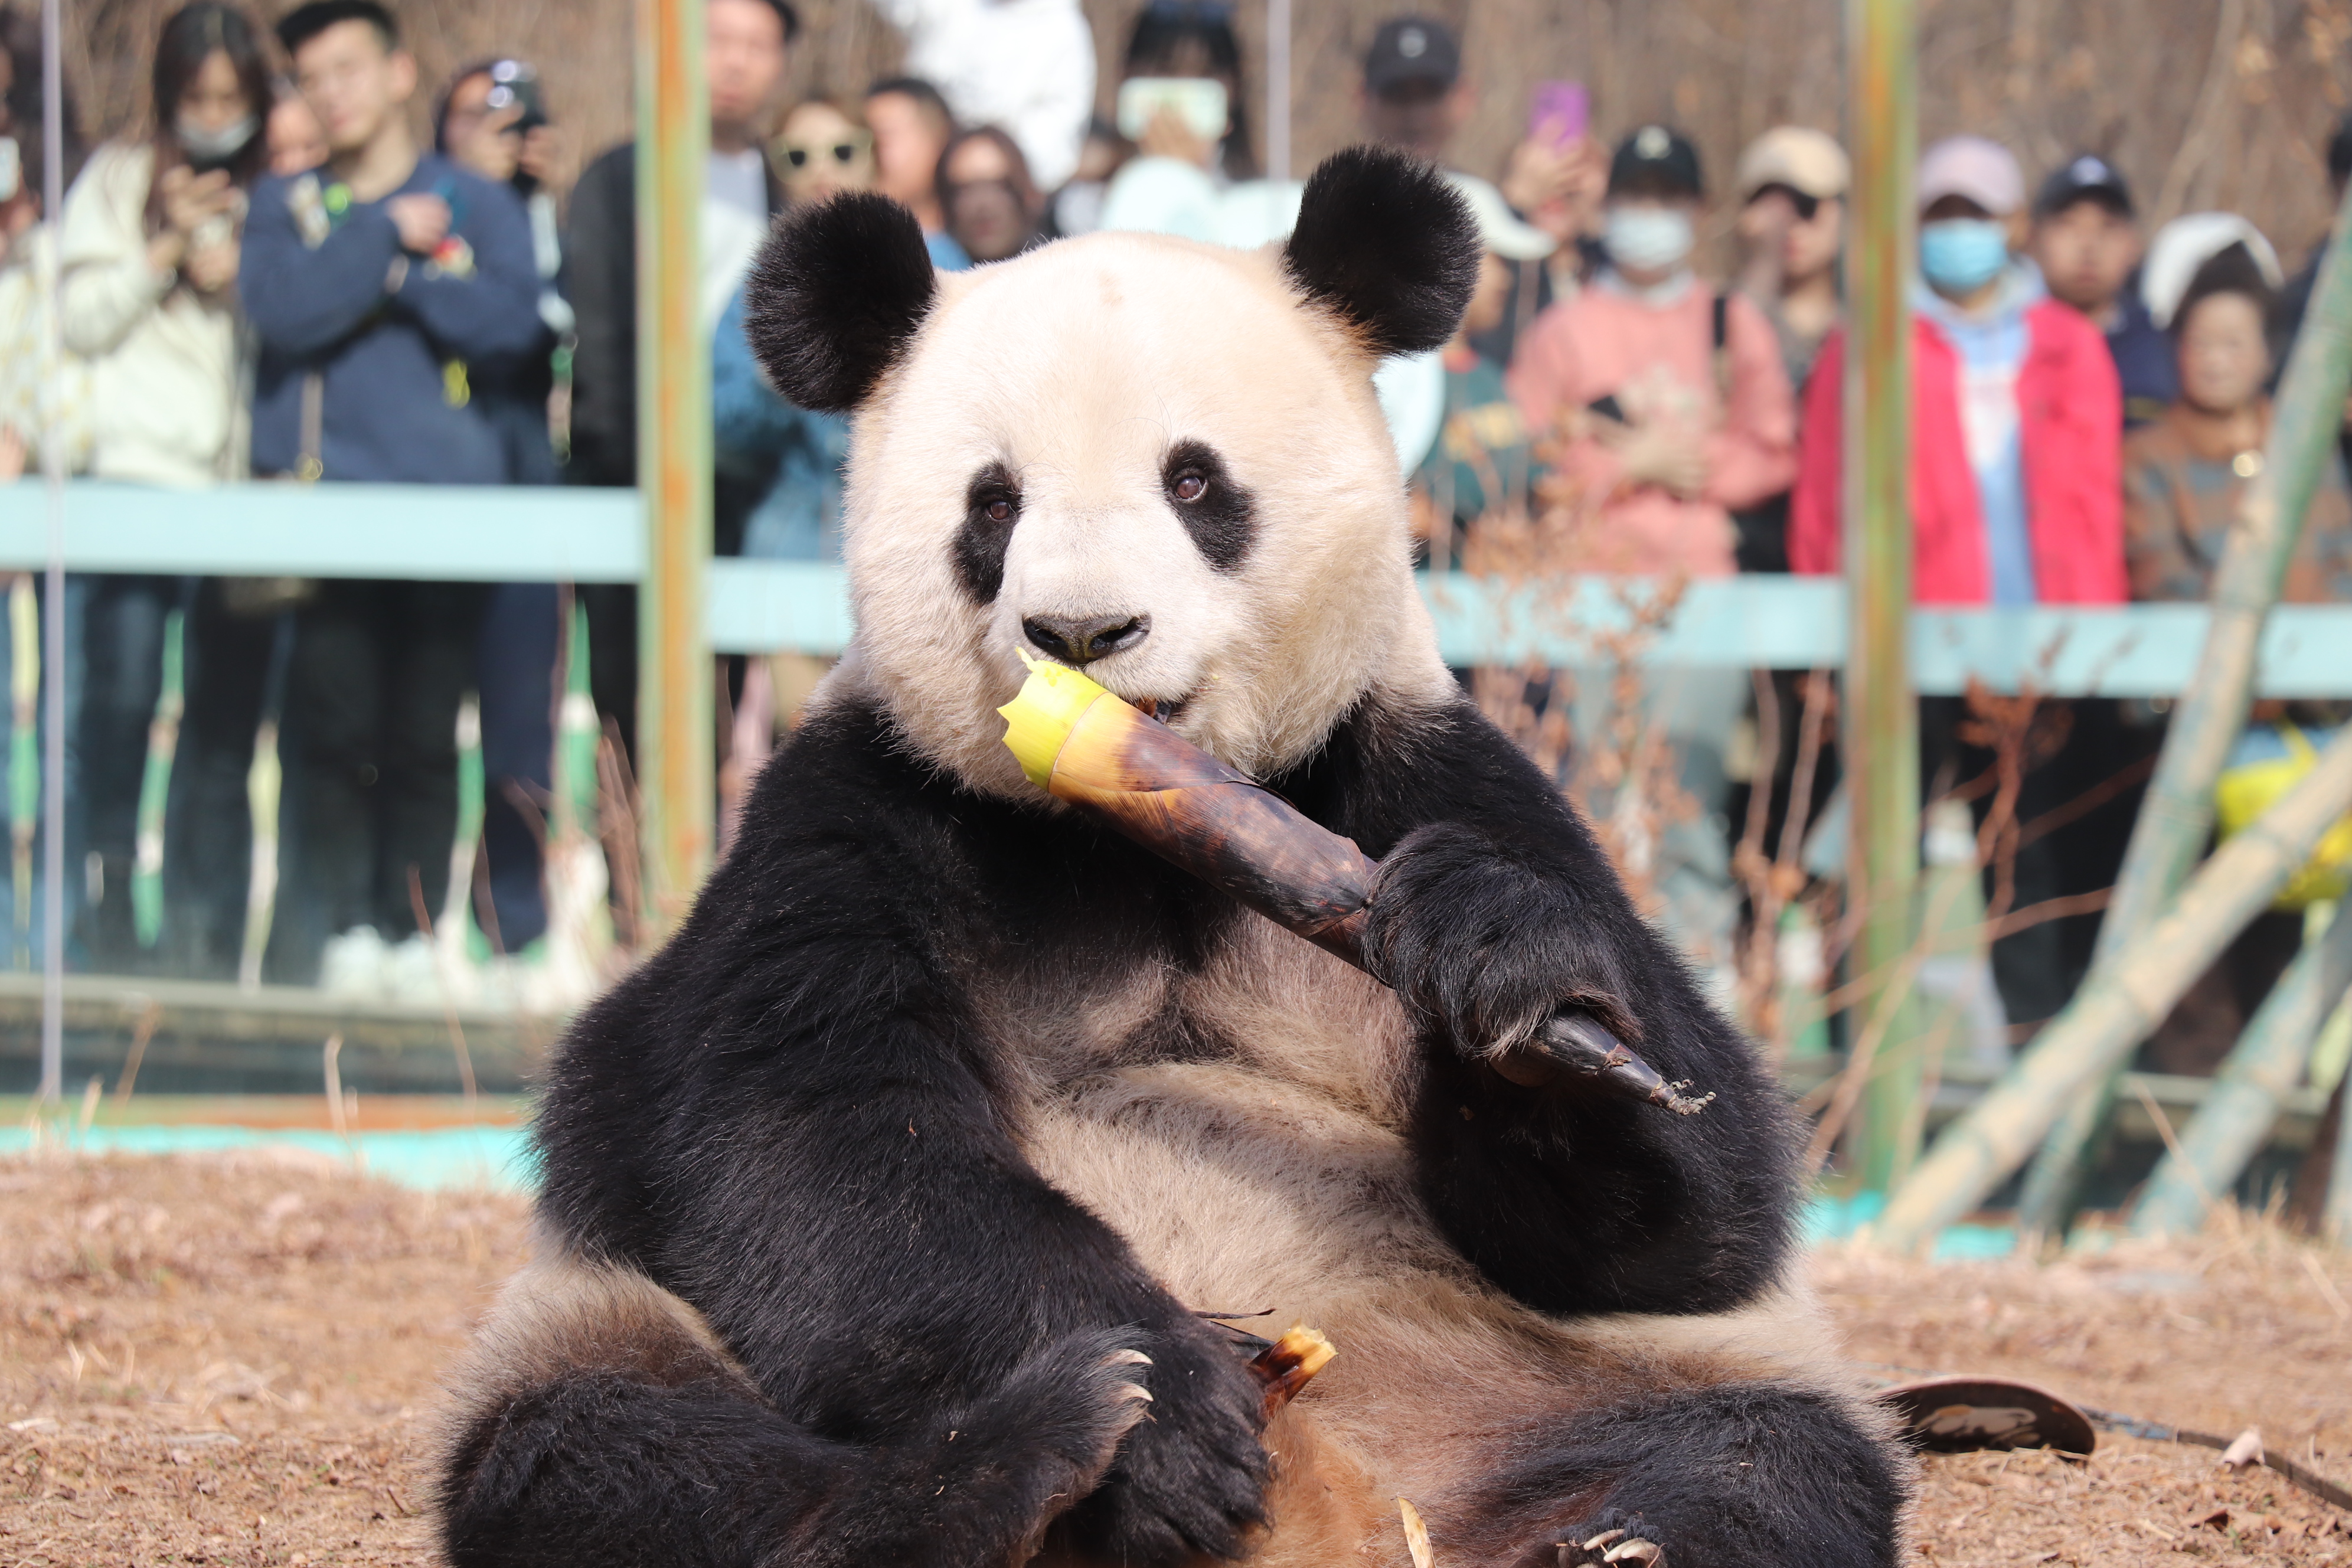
<point>1220,515</point>
<point>991,506</point>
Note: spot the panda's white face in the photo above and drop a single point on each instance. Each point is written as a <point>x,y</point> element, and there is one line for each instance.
<point>1149,457</point>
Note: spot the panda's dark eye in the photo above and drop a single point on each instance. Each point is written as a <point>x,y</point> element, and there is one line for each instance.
<point>991,505</point>
<point>1219,514</point>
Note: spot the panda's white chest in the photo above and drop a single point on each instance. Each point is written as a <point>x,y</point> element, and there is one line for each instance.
<point>1265,1002</point>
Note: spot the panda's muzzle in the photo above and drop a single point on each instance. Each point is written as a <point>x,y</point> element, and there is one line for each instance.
<point>1079,640</point>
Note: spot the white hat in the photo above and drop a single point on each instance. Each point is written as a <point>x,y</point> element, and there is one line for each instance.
<point>2186,244</point>
<point>1983,172</point>
<point>1499,228</point>
<point>1804,159</point>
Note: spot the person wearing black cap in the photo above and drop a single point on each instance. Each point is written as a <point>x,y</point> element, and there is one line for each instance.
<point>1673,397</point>
<point>748,48</point>
<point>1414,96</point>
<point>2086,240</point>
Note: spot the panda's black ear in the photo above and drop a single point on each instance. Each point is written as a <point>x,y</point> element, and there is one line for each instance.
<point>1385,243</point>
<point>834,297</point>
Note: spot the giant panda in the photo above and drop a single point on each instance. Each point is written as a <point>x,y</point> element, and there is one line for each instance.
<point>882,1210</point>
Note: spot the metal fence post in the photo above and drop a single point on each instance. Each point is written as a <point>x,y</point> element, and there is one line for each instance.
<point>1879,728</point>
<point>675,738</point>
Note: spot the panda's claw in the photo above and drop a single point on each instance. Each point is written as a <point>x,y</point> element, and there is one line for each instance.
<point>1646,1553</point>
<point>1606,1538</point>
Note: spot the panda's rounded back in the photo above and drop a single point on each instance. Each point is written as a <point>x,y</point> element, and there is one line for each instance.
<point>1082,377</point>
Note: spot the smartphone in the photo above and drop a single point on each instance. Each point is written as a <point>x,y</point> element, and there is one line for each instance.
<point>1199,101</point>
<point>514,85</point>
<point>1562,112</point>
<point>12,168</point>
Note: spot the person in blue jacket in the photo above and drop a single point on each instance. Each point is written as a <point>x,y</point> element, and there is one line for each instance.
<point>379,285</point>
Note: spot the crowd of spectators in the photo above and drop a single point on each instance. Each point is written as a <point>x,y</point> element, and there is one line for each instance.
<point>275,278</point>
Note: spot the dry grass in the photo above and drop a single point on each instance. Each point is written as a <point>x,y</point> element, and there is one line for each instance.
<point>232,1360</point>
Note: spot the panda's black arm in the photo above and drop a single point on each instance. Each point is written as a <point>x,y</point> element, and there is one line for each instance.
<point>1495,903</point>
<point>790,1118</point>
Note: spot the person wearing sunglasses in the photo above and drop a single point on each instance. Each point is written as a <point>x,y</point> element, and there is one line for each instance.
<point>823,150</point>
<point>1792,184</point>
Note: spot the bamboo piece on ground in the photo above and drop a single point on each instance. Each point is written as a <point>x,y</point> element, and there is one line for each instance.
<point>2178,813</point>
<point>2243,1103</point>
<point>1089,748</point>
<point>2117,1008</point>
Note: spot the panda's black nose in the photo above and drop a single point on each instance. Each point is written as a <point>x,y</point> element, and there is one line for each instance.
<point>1082,639</point>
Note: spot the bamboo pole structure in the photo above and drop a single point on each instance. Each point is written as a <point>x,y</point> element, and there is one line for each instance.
<point>2117,1008</point>
<point>674,762</point>
<point>2179,811</point>
<point>1880,725</point>
<point>2262,1068</point>
<point>53,579</point>
<point>2336,1218</point>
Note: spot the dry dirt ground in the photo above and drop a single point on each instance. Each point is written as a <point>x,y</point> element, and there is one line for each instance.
<point>232,1360</point>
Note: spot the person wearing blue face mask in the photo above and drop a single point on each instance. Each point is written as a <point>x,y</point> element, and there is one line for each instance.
<point>2017,415</point>
<point>2016,500</point>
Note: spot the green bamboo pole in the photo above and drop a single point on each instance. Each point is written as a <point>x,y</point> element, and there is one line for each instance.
<point>2117,1007</point>
<point>2178,815</point>
<point>2243,1103</point>
<point>1881,732</point>
<point>155,785</point>
<point>675,748</point>
<point>2336,1219</point>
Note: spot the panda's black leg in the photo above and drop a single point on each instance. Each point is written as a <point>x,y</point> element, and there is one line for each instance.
<point>1733,1476</point>
<point>600,1468</point>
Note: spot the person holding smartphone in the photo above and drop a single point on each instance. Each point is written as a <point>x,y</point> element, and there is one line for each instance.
<point>150,242</point>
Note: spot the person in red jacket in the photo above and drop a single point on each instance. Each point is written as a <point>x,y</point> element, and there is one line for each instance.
<point>2016,450</point>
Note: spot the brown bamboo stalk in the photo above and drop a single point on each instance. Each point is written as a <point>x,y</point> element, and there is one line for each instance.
<point>1135,775</point>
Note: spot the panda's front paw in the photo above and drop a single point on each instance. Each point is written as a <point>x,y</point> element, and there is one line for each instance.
<point>1482,946</point>
<point>1190,1478</point>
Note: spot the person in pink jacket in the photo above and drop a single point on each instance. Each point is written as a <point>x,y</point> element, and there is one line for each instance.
<point>1668,399</point>
<point>2016,419</point>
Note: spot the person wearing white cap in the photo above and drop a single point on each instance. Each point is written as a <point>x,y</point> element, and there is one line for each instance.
<point>1792,184</point>
<point>2017,415</point>
<point>1482,458</point>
